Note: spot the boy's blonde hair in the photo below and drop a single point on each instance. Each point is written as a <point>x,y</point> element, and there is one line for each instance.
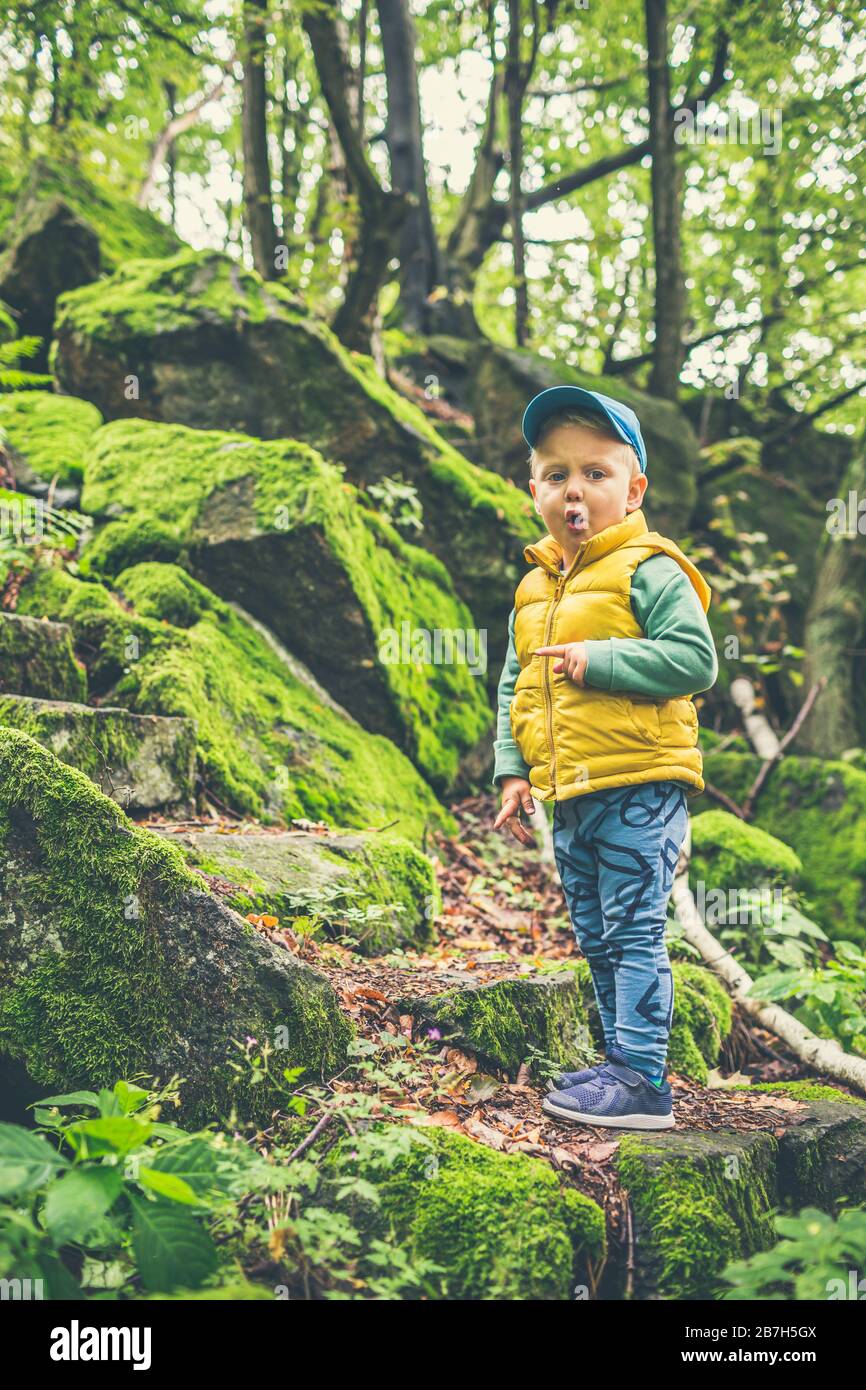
<point>570,416</point>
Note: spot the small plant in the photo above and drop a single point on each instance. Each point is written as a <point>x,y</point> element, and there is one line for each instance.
<point>399,502</point>
<point>12,378</point>
<point>832,996</point>
<point>817,1258</point>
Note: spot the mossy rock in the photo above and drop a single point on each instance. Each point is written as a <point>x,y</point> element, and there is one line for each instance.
<point>702,1199</point>
<point>822,1159</point>
<point>118,963</point>
<point>506,379</point>
<point>145,762</point>
<point>298,873</point>
<point>274,527</point>
<point>820,804</point>
<point>271,742</point>
<point>47,437</point>
<point>214,347</point>
<point>502,1021</point>
<point>698,1201</point>
<point>499,1226</point>
<point>36,658</point>
<point>63,228</point>
<point>732,856</point>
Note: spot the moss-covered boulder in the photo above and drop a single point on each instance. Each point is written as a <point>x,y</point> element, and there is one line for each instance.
<point>822,1159</point>
<point>820,807</point>
<point>503,1021</point>
<point>732,858</point>
<point>36,658</point>
<point>506,379</point>
<point>271,742</point>
<point>145,762</point>
<point>207,344</point>
<point>698,1201</point>
<point>116,962</point>
<point>381,891</point>
<point>63,228</point>
<point>274,527</point>
<point>498,1226</point>
<point>45,440</point>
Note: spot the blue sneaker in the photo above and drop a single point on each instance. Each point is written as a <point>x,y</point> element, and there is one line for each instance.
<point>618,1097</point>
<point>567,1079</point>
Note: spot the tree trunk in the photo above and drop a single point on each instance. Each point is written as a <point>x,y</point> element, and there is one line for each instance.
<point>834,627</point>
<point>515,85</point>
<point>258,208</point>
<point>666,211</point>
<point>420,260</point>
<point>381,212</point>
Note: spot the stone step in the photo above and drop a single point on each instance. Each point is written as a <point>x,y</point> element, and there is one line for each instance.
<point>118,962</point>
<point>701,1199</point>
<point>145,762</point>
<point>293,873</point>
<point>36,658</point>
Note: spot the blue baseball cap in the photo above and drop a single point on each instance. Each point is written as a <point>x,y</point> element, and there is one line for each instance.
<point>623,420</point>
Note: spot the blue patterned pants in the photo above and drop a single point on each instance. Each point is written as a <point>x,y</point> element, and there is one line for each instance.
<point>616,851</point>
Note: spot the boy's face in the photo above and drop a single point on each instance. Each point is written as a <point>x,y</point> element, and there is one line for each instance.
<point>583,483</point>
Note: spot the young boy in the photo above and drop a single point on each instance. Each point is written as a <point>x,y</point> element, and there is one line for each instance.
<point>608,639</point>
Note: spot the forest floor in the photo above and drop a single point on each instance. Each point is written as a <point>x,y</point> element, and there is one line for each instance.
<point>504,914</point>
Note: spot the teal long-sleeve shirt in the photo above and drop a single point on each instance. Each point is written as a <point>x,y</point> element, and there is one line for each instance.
<point>679,659</point>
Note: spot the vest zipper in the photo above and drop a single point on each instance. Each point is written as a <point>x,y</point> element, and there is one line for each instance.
<point>560,584</point>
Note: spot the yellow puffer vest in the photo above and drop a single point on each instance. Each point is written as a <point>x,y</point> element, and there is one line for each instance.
<point>577,739</point>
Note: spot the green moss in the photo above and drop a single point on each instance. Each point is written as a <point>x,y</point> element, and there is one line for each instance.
<point>96,992</point>
<point>500,1226</point>
<point>268,744</point>
<point>730,853</point>
<point>805,1090</point>
<point>820,804</point>
<point>696,1207</point>
<point>300,515</point>
<point>50,433</point>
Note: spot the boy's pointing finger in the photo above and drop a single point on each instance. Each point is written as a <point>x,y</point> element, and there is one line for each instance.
<point>550,651</point>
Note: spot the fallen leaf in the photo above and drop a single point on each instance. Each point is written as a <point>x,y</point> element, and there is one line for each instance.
<point>597,1153</point>
<point>487,1135</point>
<point>447,1119</point>
<point>482,1087</point>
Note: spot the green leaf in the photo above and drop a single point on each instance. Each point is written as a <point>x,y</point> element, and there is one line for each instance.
<point>26,1161</point>
<point>72,1098</point>
<point>170,1246</point>
<point>110,1134</point>
<point>167,1185</point>
<point>79,1201</point>
<point>129,1097</point>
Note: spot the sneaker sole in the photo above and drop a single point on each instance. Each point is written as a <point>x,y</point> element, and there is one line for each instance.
<point>610,1121</point>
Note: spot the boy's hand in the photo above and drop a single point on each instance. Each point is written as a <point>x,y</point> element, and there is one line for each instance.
<point>574,659</point>
<point>516,797</point>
